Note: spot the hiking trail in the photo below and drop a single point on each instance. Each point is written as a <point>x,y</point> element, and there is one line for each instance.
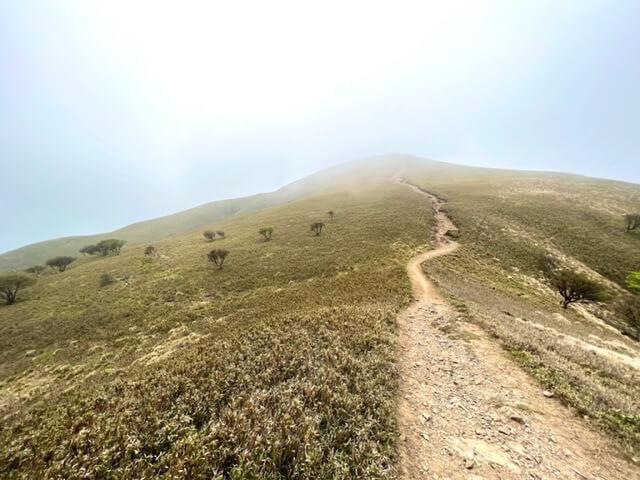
<point>468,412</point>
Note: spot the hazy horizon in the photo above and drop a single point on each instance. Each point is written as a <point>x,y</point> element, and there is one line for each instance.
<point>120,112</point>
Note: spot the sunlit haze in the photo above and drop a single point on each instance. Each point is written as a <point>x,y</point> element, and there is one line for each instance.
<point>114,112</point>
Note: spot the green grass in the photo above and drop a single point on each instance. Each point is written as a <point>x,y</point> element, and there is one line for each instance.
<point>280,365</point>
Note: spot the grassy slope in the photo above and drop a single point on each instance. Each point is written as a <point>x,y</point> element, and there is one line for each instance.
<point>282,365</point>
<point>505,220</point>
<point>504,210</point>
<point>279,366</point>
<point>194,218</point>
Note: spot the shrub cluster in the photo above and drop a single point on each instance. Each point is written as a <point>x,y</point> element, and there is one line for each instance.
<point>111,246</point>
<point>60,263</point>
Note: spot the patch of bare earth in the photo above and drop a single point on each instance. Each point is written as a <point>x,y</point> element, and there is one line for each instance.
<point>467,412</point>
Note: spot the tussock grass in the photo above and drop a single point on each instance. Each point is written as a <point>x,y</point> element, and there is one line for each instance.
<point>280,365</point>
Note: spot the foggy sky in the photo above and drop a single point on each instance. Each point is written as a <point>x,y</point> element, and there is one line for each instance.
<point>114,112</point>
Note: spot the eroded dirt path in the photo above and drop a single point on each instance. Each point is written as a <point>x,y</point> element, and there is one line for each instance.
<point>467,412</point>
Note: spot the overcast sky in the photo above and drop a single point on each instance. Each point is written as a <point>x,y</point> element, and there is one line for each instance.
<point>118,111</point>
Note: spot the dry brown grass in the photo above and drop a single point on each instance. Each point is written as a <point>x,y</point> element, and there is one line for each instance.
<point>280,365</point>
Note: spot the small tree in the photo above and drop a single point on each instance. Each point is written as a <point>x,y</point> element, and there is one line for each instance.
<point>331,214</point>
<point>209,235</point>
<point>631,221</point>
<point>217,256</point>
<point>633,281</point>
<point>150,251</point>
<point>60,263</point>
<point>220,233</point>
<point>317,228</point>
<point>12,283</point>
<point>110,246</point>
<point>576,287</point>
<point>266,232</point>
<point>36,269</point>
<point>116,246</point>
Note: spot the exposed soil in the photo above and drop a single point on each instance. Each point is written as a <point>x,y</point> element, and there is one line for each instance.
<point>467,412</point>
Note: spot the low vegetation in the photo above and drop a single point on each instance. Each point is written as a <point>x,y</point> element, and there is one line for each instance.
<point>210,235</point>
<point>150,251</point>
<point>173,373</point>
<point>633,281</point>
<point>284,365</point>
<point>511,216</point>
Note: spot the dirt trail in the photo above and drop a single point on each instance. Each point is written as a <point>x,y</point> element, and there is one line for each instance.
<point>467,412</point>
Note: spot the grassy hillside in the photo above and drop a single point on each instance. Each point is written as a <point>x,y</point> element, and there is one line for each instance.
<point>283,363</point>
<point>506,220</point>
<point>501,210</point>
<point>198,217</point>
<point>280,365</point>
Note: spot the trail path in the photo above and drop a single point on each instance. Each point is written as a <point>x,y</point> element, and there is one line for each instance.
<point>467,412</point>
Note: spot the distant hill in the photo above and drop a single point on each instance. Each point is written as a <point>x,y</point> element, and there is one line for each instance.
<point>478,182</point>
<point>194,218</point>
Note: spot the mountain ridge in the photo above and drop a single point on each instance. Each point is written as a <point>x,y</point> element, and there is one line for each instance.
<point>191,219</point>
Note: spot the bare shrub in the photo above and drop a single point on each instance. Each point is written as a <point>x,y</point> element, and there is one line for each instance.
<point>218,256</point>
<point>317,228</point>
